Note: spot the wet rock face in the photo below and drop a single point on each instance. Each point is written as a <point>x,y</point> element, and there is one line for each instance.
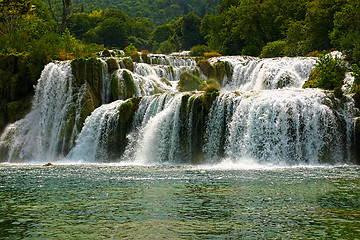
<point>16,88</point>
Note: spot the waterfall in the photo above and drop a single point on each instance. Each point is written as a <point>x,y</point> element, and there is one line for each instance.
<point>250,73</point>
<point>279,127</point>
<point>98,111</point>
<point>39,134</point>
<point>92,141</point>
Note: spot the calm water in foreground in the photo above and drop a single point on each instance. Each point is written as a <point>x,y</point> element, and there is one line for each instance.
<point>178,202</point>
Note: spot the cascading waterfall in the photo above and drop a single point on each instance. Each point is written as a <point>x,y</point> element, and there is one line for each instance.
<point>261,114</point>
<point>250,73</point>
<point>91,142</point>
<point>282,126</point>
<point>38,135</point>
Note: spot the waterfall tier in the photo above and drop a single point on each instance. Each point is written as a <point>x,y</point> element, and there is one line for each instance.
<point>112,109</point>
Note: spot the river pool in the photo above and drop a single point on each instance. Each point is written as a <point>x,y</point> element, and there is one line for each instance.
<point>110,201</point>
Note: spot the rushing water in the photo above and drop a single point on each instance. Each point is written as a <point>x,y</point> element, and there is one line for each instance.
<point>179,202</point>
<point>256,157</point>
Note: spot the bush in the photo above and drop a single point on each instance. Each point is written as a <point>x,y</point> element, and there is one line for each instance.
<point>356,75</point>
<point>328,73</point>
<point>250,50</point>
<point>199,50</point>
<point>166,47</point>
<point>273,49</point>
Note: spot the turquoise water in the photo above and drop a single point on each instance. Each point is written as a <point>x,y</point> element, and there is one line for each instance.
<point>178,202</point>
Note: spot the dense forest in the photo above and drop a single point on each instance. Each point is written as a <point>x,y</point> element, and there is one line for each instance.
<point>55,29</point>
<point>42,31</point>
<point>159,11</point>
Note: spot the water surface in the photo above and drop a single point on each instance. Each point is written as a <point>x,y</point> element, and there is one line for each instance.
<point>102,201</point>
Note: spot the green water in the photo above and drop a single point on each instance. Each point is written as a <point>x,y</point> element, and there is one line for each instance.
<point>178,202</point>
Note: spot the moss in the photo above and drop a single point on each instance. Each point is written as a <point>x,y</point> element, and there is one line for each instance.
<point>313,80</point>
<point>18,109</point>
<point>227,69</point>
<point>90,71</point>
<point>183,107</point>
<point>129,84</point>
<point>189,82</point>
<point>338,93</point>
<point>328,73</point>
<point>210,95</point>
<point>123,88</point>
<point>112,65</point>
<point>206,67</point>
<point>128,109</point>
<point>135,57</point>
<point>164,80</point>
<point>145,58</point>
<point>219,70</point>
<point>129,64</point>
<point>213,83</point>
<point>106,53</point>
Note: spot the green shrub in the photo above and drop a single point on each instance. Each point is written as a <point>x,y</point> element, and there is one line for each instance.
<point>250,50</point>
<point>166,47</point>
<point>199,50</point>
<point>273,49</point>
<point>328,73</point>
<point>338,92</point>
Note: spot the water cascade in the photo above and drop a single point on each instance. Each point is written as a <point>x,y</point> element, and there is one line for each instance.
<point>134,113</point>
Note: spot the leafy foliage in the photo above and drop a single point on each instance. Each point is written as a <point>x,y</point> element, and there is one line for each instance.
<point>159,11</point>
<point>329,73</point>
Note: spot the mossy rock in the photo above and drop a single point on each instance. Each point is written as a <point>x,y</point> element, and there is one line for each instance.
<point>210,94</point>
<point>3,118</point>
<point>213,83</point>
<point>129,64</point>
<point>123,87</point>
<point>15,78</point>
<point>338,93</point>
<point>145,58</point>
<point>184,103</point>
<point>106,53</point>
<point>112,65</point>
<point>227,69</point>
<point>135,57</point>
<point>206,68</point>
<point>128,109</point>
<point>356,98</point>
<point>220,71</point>
<point>90,71</point>
<point>189,82</point>
<point>17,110</point>
<point>165,81</point>
<point>16,87</point>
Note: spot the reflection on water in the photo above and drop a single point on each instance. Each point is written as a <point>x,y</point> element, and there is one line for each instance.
<point>178,202</point>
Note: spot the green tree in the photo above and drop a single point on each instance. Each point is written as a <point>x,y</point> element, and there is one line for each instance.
<point>346,33</point>
<point>190,29</point>
<point>163,33</point>
<point>113,33</point>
